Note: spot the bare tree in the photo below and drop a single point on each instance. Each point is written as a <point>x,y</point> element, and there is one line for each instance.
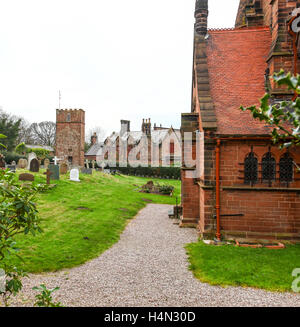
<point>99,131</point>
<point>43,133</point>
<point>25,134</point>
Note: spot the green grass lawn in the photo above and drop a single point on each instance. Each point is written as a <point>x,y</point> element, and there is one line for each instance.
<point>72,236</point>
<point>238,266</point>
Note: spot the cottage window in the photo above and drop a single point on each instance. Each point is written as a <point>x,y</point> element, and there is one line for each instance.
<point>268,167</point>
<point>251,169</point>
<point>286,168</point>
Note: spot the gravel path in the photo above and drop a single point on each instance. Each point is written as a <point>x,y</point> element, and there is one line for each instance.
<point>147,267</point>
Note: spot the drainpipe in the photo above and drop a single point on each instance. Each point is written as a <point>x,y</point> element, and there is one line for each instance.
<point>295,50</point>
<point>218,207</point>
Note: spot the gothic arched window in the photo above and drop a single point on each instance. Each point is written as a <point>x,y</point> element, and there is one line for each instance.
<point>268,167</point>
<point>286,170</point>
<point>251,169</point>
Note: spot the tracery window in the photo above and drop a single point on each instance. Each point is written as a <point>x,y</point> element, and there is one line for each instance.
<point>286,170</point>
<point>250,168</point>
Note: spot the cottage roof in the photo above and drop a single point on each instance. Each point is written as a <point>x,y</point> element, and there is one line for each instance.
<point>95,149</point>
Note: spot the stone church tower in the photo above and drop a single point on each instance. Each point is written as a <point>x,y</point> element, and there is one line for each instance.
<point>70,135</point>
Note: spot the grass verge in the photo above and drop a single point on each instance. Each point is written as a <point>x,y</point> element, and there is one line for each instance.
<point>237,266</point>
<point>82,220</point>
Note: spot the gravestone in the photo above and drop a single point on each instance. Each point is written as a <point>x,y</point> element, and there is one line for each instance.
<point>2,162</point>
<point>54,169</point>
<point>13,163</point>
<point>93,164</point>
<point>106,171</point>
<point>46,163</point>
<point>74,175</point>
<point>88,171</point>
<point>12,168</point>
<point>22,164</point>
<point>31,156</point>
<point>87,165</point>
<point>63,168</point>
<point>34,166</point>
<point>26,177</point>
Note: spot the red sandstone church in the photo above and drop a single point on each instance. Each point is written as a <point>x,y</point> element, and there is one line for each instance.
<point>249,188</point>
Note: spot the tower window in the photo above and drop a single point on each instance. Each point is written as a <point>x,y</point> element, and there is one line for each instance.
<point>286,168</point>
<point>68,118</point>
<point>251,169</point>
<point>268,165</point>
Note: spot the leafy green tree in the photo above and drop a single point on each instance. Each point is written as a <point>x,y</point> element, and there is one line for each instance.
<point>2,137</point>
<point>18,215</point>
<point>21,148</point>
<point>9,127</point>
<point>283,116</point>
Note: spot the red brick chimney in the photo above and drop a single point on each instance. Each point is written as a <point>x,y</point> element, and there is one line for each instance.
<point>146,126</point>
<point>94,139</point>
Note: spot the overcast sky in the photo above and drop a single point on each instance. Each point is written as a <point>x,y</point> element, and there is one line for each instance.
<point>116,59</point>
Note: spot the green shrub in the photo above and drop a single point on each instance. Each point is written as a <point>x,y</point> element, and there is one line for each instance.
<point>159,172</point>
<point>12,156</point>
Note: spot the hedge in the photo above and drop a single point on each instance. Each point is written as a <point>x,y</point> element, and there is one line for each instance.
<point>12,156</point>
<point>159,172</point>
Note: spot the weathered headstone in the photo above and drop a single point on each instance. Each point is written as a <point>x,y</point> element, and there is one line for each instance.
<point>26,177</point>
<point>22,164</point>
<point>31,156</point>
<point>74,175</point>
<point>12,168</point>
<point>2,162</point>
<point>88,171</point>
<point>63,168</point>
<point>46,163</point>
<point>54,169</point>
<point>106,171</point>
<point>87,165</point>
<point>93,164</point>
<point>13,163</point>
<point>34,166</point>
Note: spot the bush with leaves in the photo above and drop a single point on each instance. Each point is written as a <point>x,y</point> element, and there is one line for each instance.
<point>283,116</point>
<point>44,298</point>
<point>18,215</point>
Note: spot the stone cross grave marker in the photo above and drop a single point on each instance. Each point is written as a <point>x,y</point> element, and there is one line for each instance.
<point>48,173</point>
<point>93,164</point>
<point>34,165</point>
<point>56,160</point>
<point>74,175</point>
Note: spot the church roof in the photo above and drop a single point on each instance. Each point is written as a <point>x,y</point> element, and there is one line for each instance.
<point>236,64</point>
